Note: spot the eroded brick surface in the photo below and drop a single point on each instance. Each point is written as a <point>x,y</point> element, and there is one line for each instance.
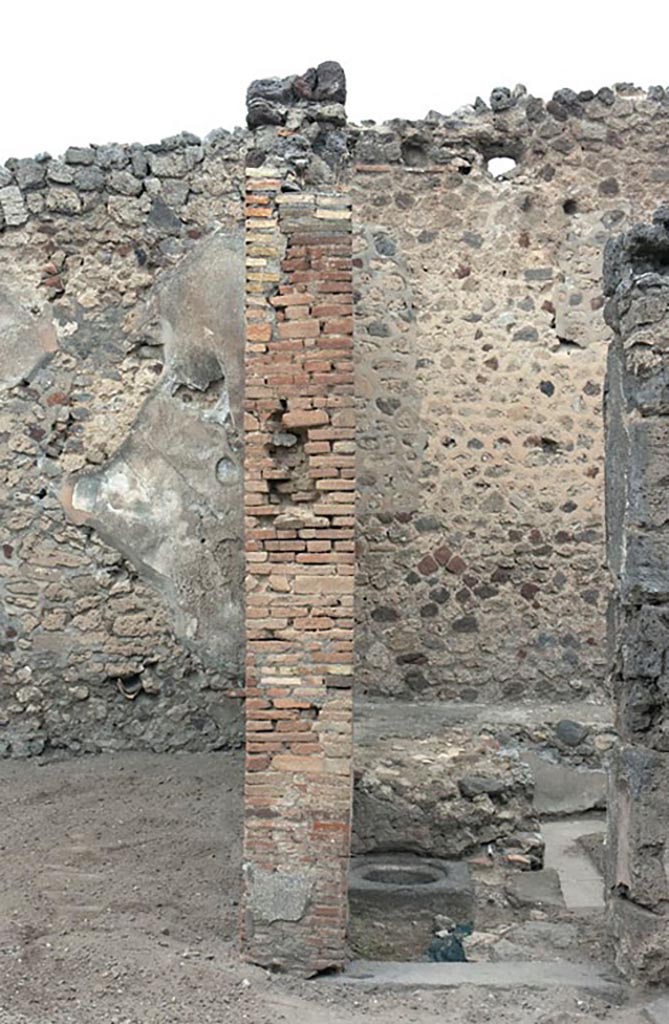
<point>299,539</point>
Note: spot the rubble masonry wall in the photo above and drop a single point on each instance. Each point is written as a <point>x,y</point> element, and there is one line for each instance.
<point>480,352</point>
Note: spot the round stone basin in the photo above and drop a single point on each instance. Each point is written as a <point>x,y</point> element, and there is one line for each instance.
<point>394,898</point>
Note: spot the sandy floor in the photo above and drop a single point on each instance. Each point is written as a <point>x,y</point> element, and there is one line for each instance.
<point>118,904</point>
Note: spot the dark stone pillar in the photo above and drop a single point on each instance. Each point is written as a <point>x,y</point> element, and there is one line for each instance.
<point>636,274</point>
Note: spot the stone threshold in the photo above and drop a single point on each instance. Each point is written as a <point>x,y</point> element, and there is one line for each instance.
<point>535,974</point>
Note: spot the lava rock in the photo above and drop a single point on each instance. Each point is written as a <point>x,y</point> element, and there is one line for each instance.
<point>274,90</point>
<point>474,785</point>
<point>571,733</point>
<point>269,99</point>
<point>501,99</point>
<point>330,83</point>
<point>262,111</point>
<point>447,948</point>
<point>164,219</point>
<point>30,174</point>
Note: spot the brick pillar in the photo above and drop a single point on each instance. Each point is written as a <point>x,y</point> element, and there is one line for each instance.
<point>637,512</point>
<point>299,531</point>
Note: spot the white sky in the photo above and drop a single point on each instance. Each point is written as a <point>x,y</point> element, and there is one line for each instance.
<point>80,71</point>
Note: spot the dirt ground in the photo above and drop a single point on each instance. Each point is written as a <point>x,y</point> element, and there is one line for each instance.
<point>118,905</point>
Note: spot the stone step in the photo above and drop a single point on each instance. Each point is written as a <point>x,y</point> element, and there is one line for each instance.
<point>582,885</point>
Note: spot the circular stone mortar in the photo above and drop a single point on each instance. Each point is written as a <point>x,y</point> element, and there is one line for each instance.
<point>393,900</point>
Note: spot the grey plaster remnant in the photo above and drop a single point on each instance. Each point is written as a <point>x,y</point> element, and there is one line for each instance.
<point>26,339</point>
<point>636,282</point>
<point>376,719</point>
<point>277,895</point>
<point>159,500</point>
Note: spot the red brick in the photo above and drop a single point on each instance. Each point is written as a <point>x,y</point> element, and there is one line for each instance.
<point>443,554</point>
<point>292,298</point>
<point>427,565</point>
<point>304,418</point>
<point>293,329</point>
<point>259,332</point>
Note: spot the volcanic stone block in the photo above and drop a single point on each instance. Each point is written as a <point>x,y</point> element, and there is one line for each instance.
<point>640,677</point>
<point>638,466</point>
<point>639,827</point>
<point>638,905</point>
<point>268,99</point>
<point>641,939</point>
<point>637,459</point>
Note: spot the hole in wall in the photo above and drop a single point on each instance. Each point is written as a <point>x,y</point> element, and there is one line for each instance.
<point>500,166</point>
<point>570,207</point>
<point>290,482</point>
<point>566,345</point>
<point>413,154</point>
<point>327,972</point>
<point>129,686</point>
<point>226,471</point>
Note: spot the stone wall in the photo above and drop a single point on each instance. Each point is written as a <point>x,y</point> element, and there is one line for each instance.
<point>120,400</point>
<point>479,361</point>
<point>481,352</point>
<point>637,449</point>
<point>299,505</point>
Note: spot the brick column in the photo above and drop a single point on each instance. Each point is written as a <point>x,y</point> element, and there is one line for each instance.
<point>637,512</point>
<point>299,531</point>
